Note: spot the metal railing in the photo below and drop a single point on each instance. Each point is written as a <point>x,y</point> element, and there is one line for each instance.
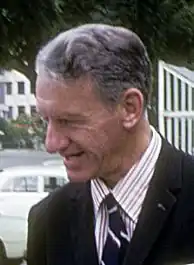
<point>176,107</point>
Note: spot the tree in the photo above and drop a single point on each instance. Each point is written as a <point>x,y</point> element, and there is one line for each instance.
<point>22,131</point>
<point>31,126</point>
<point>12,135</point>
<point>24,26</point>
<point>165,26</point>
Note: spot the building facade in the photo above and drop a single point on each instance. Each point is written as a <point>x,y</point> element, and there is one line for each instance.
<point>15,95</point>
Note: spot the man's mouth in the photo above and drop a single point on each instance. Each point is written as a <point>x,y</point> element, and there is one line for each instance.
<point>74,155</point>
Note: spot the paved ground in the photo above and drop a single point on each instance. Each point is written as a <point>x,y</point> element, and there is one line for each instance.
<point>23,157</point>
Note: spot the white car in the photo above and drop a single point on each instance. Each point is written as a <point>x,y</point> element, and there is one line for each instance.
<point>20,188</point>
<point>53,162</point>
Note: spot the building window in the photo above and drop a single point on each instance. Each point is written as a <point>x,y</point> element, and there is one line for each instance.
<point>10,113</point>
<point>21,88</point>
<point>21,110</point>
<point>33,110</point>
<point>9,88</point>
<point>2,93</point>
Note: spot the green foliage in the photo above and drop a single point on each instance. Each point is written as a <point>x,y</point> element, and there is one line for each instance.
<point>11,134</point>
<point>24,26</point>
<point>165,26</point>
<point>32,124</point>
<point>23,119</point>
<point>22,131</point>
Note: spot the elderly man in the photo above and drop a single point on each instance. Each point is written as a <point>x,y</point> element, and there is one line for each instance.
<point>130,199</point>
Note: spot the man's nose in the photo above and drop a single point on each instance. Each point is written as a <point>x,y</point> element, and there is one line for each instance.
<point>56,139</point>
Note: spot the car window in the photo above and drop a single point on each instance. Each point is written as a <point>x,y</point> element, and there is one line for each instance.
<point>21,184</point>
<point>32,184</point>
<point>53,182</point>
<point>7,186</point>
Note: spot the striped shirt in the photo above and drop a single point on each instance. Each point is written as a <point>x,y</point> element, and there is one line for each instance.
<point>129,192</point>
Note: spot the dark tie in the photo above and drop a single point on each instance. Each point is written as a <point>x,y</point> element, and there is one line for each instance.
<point>116,242</point>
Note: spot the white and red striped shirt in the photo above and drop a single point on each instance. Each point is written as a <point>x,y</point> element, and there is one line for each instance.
<point>129,192</point>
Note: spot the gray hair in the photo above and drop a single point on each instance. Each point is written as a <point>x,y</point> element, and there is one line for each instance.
<point>113,57</point>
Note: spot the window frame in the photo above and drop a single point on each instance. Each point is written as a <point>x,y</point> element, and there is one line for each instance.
<point>21,90</point>
<point>9,86</point>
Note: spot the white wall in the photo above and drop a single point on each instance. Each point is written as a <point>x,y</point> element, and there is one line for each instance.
<point>15,100</point>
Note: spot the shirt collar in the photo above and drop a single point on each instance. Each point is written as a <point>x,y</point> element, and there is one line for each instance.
<point>128,191</point>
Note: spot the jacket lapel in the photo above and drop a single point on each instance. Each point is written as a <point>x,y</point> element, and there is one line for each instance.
<point>157,206</point>
<point>83,235</point>
<point>70,232</point>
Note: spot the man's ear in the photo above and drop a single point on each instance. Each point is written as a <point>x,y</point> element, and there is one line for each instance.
<point>131,107</point>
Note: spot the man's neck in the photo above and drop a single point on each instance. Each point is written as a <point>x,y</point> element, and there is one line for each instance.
<point>139,143</point>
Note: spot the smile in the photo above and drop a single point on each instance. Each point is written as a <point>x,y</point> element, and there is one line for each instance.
<point>74,155</point>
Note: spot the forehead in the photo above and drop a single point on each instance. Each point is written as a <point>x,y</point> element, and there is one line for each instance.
<point>58,96</point>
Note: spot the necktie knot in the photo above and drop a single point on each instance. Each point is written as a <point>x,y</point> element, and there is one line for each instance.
<point>110,202</point>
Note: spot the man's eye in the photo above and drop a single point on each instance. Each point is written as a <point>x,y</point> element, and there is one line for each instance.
<point>63,121</point>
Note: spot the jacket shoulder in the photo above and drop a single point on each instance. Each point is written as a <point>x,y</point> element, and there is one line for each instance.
<point>63,194</point>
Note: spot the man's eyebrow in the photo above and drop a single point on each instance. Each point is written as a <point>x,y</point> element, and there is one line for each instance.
<point>67,114</point>
<point>61,115</point>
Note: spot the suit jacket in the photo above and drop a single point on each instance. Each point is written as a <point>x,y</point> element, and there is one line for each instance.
<point>61,227</point>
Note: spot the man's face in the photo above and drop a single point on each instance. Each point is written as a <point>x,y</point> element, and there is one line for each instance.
<point>80,128</point>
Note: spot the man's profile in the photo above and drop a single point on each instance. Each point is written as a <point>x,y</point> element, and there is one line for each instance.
<point>130,196</point>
